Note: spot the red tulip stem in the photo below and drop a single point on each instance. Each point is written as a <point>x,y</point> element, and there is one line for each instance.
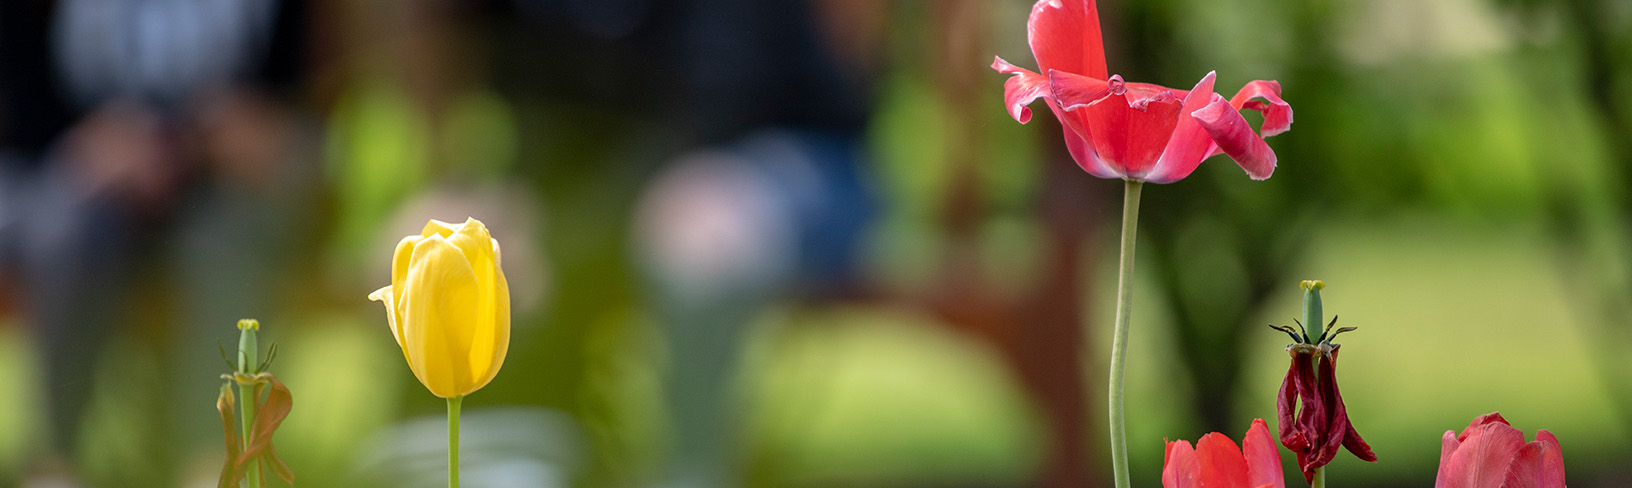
<point>1119,338</point>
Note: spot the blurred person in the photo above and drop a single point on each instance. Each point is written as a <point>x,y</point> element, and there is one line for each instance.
<point>98,145</point>
<point>772,208</point>
<point>721,234</point>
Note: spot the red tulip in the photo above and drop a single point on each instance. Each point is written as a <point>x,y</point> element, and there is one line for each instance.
<point>1321,424</point>
<point>1492,454</point>
<point>1216,463</point>
<point>1134,131</point>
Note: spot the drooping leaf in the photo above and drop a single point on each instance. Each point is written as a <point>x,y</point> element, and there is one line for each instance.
<point>225,404</point>
<point>269,414</point>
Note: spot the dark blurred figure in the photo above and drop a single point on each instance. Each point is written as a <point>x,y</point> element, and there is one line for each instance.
<point>103,108</point>
<point>771,208</point>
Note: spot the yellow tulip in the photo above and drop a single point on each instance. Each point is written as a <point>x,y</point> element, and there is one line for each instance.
<point>449,306</point>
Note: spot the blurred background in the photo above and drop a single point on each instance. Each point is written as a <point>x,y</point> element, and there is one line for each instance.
<point>797,243</point>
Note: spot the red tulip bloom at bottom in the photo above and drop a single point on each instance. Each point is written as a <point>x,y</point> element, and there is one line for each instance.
<point>1215,462</point>
<point>1492,454</point>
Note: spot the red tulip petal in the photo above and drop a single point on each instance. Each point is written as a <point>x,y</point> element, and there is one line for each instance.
<point>1070,92</point>
<point>1221,462</point>
<point>1137,90</point>
<point>1073,91</point>
<point>1277,113</point>
<point>1084,154</point>
<point>1064,35</point>
<point>1552,465</point>
<point>1358,446</point>
<point>1337,417</point>
<point>1190,143</point>
<point>1312,413</point>
<point>1489,418</point>
<point>1263,459</point>
<point>1482,459</point>
<point>1021,89</point>
<point>1130,134</point>
<point>1539,464</point>
<point>1447,447</point>
<point>1180,468</point>
<point>1235,137</point>
<point>1285,410</point>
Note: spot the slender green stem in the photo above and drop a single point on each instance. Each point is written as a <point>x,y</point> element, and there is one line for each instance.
<point>453,441</point>
<point>247,360</point>
<point>1119,338</point>
<point>1320,478</point>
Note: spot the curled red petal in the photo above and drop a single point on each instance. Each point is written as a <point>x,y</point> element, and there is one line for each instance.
<point>1021,89</point>
<point>1072,91</point>
<point>1286,412</point>
<point>1190,143</point>
<point>1180,467</point>
<point>1312,413</point>
<point>1357,445</point>
<point>1337,415</point>
<point>1277,113</point>
<point>1263,460</point>
<point>1235,137</point>
<point>1065,35</point>
<point>1221,461</point>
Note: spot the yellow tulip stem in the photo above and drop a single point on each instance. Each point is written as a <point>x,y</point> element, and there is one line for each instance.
<point>247,346</point>
<point>453,441</point>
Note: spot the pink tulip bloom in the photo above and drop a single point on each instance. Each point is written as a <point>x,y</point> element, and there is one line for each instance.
<point>1492,454</point>
<point>1217,463</point>
<point>1134,131</point>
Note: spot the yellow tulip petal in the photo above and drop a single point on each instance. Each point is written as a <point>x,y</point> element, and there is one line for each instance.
<point>384,295</point>
<point>438,228</point>
<point>474,242</point>
<point>392,313</point>
<point>492,358</point>
<point>400,261</point>
<point>440,300</point>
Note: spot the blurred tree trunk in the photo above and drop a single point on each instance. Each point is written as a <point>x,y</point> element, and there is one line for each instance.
<point>1040,332</point>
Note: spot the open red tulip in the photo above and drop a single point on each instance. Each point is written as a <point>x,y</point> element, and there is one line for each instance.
<point>1217,463</point>
<point>1134,131</point>
<point>1492,454</point>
